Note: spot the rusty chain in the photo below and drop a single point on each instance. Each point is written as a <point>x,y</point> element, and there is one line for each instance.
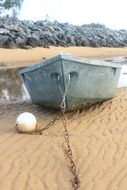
<point>47,126</point>
<point>68,152</point>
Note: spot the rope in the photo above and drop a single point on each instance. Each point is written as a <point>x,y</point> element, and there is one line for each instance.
<point>63,103</point>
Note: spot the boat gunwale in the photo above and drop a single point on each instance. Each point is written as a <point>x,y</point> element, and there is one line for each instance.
<point>85,61</point>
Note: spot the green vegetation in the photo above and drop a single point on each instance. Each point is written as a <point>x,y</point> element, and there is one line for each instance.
<point>94,25</point>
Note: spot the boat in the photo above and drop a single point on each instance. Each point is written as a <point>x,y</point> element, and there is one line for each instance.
<point>76,82</point>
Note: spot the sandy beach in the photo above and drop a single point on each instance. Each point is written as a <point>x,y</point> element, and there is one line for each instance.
<point>98,136</point>
<point>22,57</point>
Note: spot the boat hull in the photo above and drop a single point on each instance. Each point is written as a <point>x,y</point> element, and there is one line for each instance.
<point>80,81</point>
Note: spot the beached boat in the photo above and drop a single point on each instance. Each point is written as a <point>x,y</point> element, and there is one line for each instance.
<point>77,81</point>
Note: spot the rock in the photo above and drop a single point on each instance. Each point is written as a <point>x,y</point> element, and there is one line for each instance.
<point>23,34</point>
<point>32,41</point>
<point>26,47</point>
<point>103,42</point>
<point>63,43</point>
<point>20,41</point>
<point>4,31</point>
<point>10,44</point>
<point>84,42</point>
<point>12,27</point>
<point>3,40</point>
<point>51,41</point>
<point>50,29</point>
<point>94,43</point>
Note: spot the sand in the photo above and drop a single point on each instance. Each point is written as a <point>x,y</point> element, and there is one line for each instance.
<point>98,138</point>
<point>22,57</point>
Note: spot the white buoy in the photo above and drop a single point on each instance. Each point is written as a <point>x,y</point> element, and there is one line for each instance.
<point>26,123</point>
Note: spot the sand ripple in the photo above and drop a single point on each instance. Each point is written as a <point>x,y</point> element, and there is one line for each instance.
<point>98,138</point>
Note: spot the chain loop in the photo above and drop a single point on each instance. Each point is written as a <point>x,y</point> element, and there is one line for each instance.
<point>68,152</point>
<point>50,124</point>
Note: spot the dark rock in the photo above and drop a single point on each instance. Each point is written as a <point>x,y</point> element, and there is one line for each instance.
<point>26,47</point>
<point>20,41</point>
<point>27,34</point>
<point>51,41</point>
<point>3,40</point>
<point>84,42</point>
<point>31,41</point>
<point>11,27</point>
<point>63,43</point>
<point>10,44</point>
<point>103,42</point>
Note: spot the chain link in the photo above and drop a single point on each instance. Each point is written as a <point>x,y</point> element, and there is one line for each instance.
<point>68,152</point>
<point>50,124</point>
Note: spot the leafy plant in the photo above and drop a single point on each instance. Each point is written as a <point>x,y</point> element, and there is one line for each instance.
<point>94,25</point>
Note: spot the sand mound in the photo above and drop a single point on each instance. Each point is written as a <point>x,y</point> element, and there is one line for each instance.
<point>99,143</point>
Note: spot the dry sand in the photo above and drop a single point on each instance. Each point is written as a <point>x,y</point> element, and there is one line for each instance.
<point>98,138</point>
<point>21,57</point>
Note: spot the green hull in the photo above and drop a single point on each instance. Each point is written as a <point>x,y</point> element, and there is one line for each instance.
<point>81,81</point>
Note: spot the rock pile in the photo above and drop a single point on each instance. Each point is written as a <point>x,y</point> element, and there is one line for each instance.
<point>15,33</point>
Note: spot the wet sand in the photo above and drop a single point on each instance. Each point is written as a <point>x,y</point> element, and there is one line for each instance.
<point>98,139</point>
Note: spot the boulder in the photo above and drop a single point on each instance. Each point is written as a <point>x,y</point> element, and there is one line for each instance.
<point>4,31</point>
<point>11,27</point>
<point>20,41</point>
<point>10,44</point>
<point>23,34</point>
<point>3,40</point>
<point>32,41</point>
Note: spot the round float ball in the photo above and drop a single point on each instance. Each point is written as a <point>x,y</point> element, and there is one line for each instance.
<point>26,122</point>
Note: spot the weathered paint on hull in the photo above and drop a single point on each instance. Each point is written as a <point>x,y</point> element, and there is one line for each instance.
<point>85,81</point>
